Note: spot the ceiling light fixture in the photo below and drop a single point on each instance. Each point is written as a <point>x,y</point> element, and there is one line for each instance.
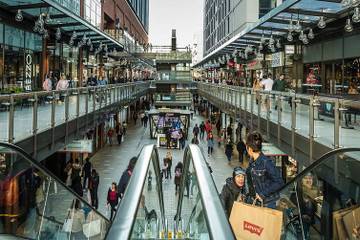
<point>19,16</point>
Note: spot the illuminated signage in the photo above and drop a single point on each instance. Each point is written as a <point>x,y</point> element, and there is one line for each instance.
<point>28,73</point>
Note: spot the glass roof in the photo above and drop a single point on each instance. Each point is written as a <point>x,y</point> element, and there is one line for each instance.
<point>318,6</point>
<point>294,16</point>
<point>63,18</point>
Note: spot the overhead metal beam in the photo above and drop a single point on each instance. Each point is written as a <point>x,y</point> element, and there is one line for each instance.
<point>311,13</point>
<point>78,31</point>
<point>273,29</point>
<point>285,21</point>
<point>65,25</point>
<point>56,16</point>
<point>28,6</point>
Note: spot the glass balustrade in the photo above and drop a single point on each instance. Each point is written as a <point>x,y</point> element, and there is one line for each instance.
<point>36,205</point>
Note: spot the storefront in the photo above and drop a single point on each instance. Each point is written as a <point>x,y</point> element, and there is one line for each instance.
<point>20,54</point>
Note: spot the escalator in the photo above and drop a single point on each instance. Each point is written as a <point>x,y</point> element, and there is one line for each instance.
<point>35,204</point>
<point>308,201</point>
<point>141,214</point>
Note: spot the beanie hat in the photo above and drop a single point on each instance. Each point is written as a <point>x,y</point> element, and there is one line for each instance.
<point>238,171</point>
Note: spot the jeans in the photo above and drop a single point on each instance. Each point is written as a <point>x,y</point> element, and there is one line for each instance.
<point>210,150</point>
<point>94,198</point>
<point>86,177</point>
<point>119,137</point>
<point>202,134</point>
<point>241,157</point>
<point>271,205</point>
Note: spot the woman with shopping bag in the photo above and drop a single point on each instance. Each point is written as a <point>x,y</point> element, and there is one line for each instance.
<point>235,189</point>
<point>263,177</point>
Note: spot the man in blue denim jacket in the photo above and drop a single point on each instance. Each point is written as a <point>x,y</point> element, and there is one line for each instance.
<point>263,176</point>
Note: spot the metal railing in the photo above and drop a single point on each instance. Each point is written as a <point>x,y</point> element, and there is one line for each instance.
<point>27,114</point>
<point>218,226</point>
<point>320,119</point>
<point>122,226</point>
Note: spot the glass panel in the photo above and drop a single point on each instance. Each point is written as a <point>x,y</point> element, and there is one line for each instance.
<point>349,133</point>
<point>192,214</point>
<point>34,205</point>
<point>324,123</point>
<point>148,217</point>
<point>4,118</point>
<point>322,194</point>
<point>23,119</point>
<point>302,118</point>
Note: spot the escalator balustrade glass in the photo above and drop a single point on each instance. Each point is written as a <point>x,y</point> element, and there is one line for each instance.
<point>36,205</point>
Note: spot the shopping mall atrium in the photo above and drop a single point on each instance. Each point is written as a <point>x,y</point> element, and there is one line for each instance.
<point>206,119</point>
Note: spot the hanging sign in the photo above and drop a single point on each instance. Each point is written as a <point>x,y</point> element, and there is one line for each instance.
<point>28,72</point>
<point>277,59</point>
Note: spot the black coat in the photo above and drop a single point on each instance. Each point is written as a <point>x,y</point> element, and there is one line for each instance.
<point>124,180</point>
<point>230,193</point>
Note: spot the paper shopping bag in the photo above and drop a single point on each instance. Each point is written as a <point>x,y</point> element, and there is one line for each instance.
<point>92,228</point>
<point>339,231</point>
<point>352,223</point>
<point>255,223</point>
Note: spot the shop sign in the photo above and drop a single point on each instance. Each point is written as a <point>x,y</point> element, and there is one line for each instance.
<point>80,146</point>
<point>277,59</point>
<point>28,72</point>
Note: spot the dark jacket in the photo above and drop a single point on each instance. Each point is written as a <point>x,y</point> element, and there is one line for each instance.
<point>94,182</point>
<point>265,178</point>
<point>76,185</point>
<point>230,193</point>
<point>87,169</point>
<point>228,149</point>
<point>202,127</point>
<point>279,85</point>
<point>196,130</point>
<point>178,178</point>
<point>124,180</point>
<point>241,147</point>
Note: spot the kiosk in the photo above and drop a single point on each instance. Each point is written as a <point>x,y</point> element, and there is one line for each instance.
<point>164,121</point>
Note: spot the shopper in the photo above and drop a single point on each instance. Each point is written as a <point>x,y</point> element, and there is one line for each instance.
<point>228,150</point>
<point>135,117</point>
<point>68,173</point>
<point>241,148</point>
<point>178,173</point>
<point>125,177</point>
<point>202,130</point>
<point>164,169</point>
<point>168,138</point>
<point>239,131</point>
<point>182,139</point>
<point>235,189</point>
<point>262,173</point>
<point>210,142</point>
<point>124,127</point>
<point>86,171</point>
<point>196,131</point>
<point>195,140</point>
<point>256,88</point>
<point>169,160</point>
<point>279,86</point>
<point>76,169</point>
<point>119,132</point>
<point>76,185</point>
<point>112,199</point>
<point>62,84</point>
<point>110,135</point>
<point>93,187</point>
<point>208,127</point>
<point>229,132</point>
<point>145,119</point>
<point>47,84</point>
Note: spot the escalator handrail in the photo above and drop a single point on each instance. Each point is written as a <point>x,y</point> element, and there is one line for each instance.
<point>314,165</point>
<point>122,226</point>
<point>216,220</point>
<point>33,162</point>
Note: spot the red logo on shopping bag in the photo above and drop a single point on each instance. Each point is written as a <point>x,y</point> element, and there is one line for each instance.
<point>253,228</point>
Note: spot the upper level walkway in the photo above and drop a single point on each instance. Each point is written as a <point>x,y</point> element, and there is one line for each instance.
<point>299,125</point>
<point>33,120</point>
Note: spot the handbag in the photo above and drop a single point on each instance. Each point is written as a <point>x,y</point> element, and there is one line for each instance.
<point>255,223</point>
<point>67,226</point>
<point>92,228</point>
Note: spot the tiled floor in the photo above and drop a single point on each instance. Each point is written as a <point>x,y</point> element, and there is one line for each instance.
<point>110,162</point>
